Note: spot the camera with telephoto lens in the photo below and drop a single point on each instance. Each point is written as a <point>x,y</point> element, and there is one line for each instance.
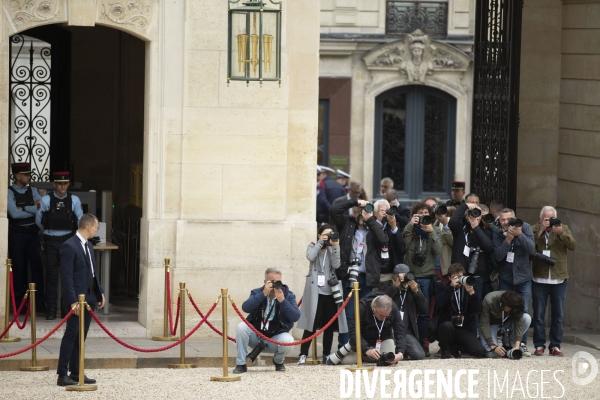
<point>487,218</point>
<point>474,212</point>
<point>95,240</point>
<point>418,259</point>
<point>466,280</point>
<point>277,284</point>
<point>424,220</point>
<point>336,358</point>
<point>516,222</point>
<point>474,260</point>
<point>353,271</point>
<point>385,359</point>
<point>336,289</point>
<point>331,237</point>
<point>409,276</point>
<point>393,210</point>
<point>554,221</point>
<point>541,257</point>
<point>441,210</point>
<point>457,320</point>
<point>368,208</point>
<point>513,354</point>
<point>257,350</point>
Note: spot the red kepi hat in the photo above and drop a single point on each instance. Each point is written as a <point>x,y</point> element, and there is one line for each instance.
<point>63,176</point>
<point>21,168</point>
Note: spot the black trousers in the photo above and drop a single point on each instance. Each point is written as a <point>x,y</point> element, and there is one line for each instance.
<point>52,254</point>
<point>68,357</point>
<point>24,251</point>
<point>453,338</point>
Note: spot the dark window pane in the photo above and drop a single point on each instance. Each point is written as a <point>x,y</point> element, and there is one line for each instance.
<point>393,139</point>
<point>322,140</point>
<point>435,144</point>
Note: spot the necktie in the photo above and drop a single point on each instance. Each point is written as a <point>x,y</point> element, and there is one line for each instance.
<point>90,275</point>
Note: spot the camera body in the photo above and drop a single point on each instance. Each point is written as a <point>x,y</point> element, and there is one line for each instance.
<point>331,236</point>
<point>554,221</point>
<point>277,284</point>
<point>516,222</point>
<point>514,354</point>
<point>393,210</point>
<point>369,208</point>
<point>418,258</point>
<point>424,220</point>
<point>385,359</point>
<point>457,320</point>
<point>541,257</point>
<point>409,276</point>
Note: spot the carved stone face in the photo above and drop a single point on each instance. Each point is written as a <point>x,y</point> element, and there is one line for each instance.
<point>417,55</point>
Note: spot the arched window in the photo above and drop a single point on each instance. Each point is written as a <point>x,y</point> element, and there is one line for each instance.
<point>414,141</point>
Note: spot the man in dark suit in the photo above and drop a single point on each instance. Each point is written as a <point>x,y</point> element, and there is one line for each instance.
<point>78,276</point>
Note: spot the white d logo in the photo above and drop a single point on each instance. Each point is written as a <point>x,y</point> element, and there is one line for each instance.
<point>580,364</point>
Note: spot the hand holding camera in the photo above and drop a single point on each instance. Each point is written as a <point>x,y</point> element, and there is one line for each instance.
<point>365,214</point>
<point>268,287</point>
<point>391,219</point>
<point>556,225</point>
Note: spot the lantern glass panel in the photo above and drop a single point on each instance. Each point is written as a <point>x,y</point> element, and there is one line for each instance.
<point>270,44</point>
<point>240,44</point>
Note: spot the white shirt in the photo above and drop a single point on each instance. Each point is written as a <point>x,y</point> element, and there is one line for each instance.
<point>84,246</point>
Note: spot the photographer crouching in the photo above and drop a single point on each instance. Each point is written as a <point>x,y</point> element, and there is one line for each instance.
<point>382,334</point>
<point>272,311</point>
<point>501,321</point>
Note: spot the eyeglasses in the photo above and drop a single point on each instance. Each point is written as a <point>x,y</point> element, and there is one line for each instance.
<point>358,192</point>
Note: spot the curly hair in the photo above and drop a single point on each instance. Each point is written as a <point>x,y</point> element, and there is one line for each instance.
<point>419,206</point>
<point>455,269</point>
<point>515,302</point>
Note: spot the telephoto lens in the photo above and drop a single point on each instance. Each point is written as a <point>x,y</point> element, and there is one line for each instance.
<point>441,210</point>
<point>337,293</point>
<point>409,276</point>
<point>368,208</point>
<point>554,221</point>
<point>257,350</point>
<point>488,218</point>
<point>474,261</point>
<point>513,354</point>
<point>353,271</point>
<point>474,212</point>
<point>277,284</point>
<point>516,222</point>
<point>393,210</point>
<point>424,220</point>
<point>545,259</point>
<point>466,280</point>
<point>336,358</point>
<point>385,359</point>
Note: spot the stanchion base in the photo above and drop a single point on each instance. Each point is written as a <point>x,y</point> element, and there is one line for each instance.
<point>360,369</point>
<point>225,378</point>
<point>182,365</point>
<point>314,362</point>
<point>165,338</point>
<point>84,388</point>
<point>34,368</point>
<point>12,339</point>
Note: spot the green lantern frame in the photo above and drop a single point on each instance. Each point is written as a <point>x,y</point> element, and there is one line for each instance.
<point>251,46</point>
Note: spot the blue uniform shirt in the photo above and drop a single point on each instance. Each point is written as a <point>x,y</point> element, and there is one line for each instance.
<point>29,211</point>
<point>45,206</point>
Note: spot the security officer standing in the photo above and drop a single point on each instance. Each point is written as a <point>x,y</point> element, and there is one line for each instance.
<point>23,234</point>
<point>458,194</point>
<point>58,216</point>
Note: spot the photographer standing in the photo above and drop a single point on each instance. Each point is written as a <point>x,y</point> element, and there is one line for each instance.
<point>272,310</point>
<point>423,243</point>
<point>322,292</point>
<point>409,299</point>
<point>393,253</point>
<point>552,239</point>
<point>513,244</point>
<point>502,317</point>
<point>454,302</point>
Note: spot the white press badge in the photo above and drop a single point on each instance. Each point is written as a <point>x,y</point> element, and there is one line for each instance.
<point>378,345</point>
<point>467,251</point>
<point>384,253</point>
<point>320,280</point>
<point>510,257</point>
<point>546,253</point>
<point>402,315</point>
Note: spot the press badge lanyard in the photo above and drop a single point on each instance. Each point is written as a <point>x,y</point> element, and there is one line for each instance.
<point>457,297</point>
<point>402,298</point>
<point>504,319</point>
<point>547,251</point>
<point>378,343</point>
<point>265,324</point>
<point>467,249</point>
<point>321,275</point>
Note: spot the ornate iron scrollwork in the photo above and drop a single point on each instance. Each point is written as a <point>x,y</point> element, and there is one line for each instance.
<point>496,100</point>
<point>30,88</point>
<point>408,16</point>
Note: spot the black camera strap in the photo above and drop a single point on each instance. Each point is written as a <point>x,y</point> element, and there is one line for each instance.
<point>547,237</point>
<point>457,294</point>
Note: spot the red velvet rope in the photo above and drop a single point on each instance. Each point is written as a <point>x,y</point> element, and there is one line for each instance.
<point>14,305</point>
<point>300,302</point>
<point>172,329</point>
<point>308,339</point>
<point>211,326</point>
<point>129,346</point>
<point>31,346</point>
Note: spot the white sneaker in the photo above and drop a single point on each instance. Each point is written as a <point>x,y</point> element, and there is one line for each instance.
<point>302,360</point>
<point>524,350</point>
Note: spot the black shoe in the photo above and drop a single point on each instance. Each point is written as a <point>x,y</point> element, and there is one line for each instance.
<point>51,314</point>
<point>446,354</point>
<point>86,380</point>
<point>65,381</point>
<point>240,369</point>
<point>279,367</point>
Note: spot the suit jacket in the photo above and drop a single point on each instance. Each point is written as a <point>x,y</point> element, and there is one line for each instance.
<point>74,271</point>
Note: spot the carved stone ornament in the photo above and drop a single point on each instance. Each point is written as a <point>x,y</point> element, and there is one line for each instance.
<point>417,56</point>
<point>136,14</point>
<point>28,11</point>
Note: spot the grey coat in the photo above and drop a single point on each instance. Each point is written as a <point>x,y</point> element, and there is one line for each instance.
<point>310,298</point>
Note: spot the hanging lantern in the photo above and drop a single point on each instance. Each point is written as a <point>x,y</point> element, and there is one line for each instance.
<point>254,42</point>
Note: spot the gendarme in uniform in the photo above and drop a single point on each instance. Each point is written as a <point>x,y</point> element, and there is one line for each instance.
<point>58,216</point>
<point>23,234</point>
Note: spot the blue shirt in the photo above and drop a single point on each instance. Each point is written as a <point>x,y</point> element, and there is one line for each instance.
<point>45,206</point>
<point>29,211</point>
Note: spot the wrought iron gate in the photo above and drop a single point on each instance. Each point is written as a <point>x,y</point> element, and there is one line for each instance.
<point>496,100</point>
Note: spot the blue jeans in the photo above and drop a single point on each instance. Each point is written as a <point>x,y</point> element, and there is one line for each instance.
<point>495,328</point>
<point>524,289</point>
<point>423,317</point>
<point>343,338</point>
<point>244,337</point>
<point>558,296</point>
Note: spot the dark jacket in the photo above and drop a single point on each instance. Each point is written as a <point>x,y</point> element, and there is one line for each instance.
<point>326,197</point>
<point>479,237</point>
<point>375,239</point>
<point>287,311</point>
<point>445,304</point>
<point>393,328</point>
<point>75,272</point>
<point>395,247</point>
<point>523,245</point>
<point>413,303</point>
<point>558,246</point>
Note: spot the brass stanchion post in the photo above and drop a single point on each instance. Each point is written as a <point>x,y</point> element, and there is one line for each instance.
<point>182,363</point>
<point>225,377</point>
<point>166,334</point>
<point>314,360</point>
<point>7,303</point>
<point>81,386</point>
<point>359,366</point>
<point>34,366</point>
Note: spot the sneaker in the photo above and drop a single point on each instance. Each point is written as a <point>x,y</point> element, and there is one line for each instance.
<point>524,350</point>
<point>279,367</point>
<point>555,351</point>
<point>328,361</point>
<point>302,360</point>
<point>446,354</point>
<point>539,351</point>
<point>240,369</point>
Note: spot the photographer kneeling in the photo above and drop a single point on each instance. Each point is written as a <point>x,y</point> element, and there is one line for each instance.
<point>406,295</point>
<point>272,311</point>
<point>454,303</point>
<point>382,333</point>
<point>322,292</point>
<point>502,317</point>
